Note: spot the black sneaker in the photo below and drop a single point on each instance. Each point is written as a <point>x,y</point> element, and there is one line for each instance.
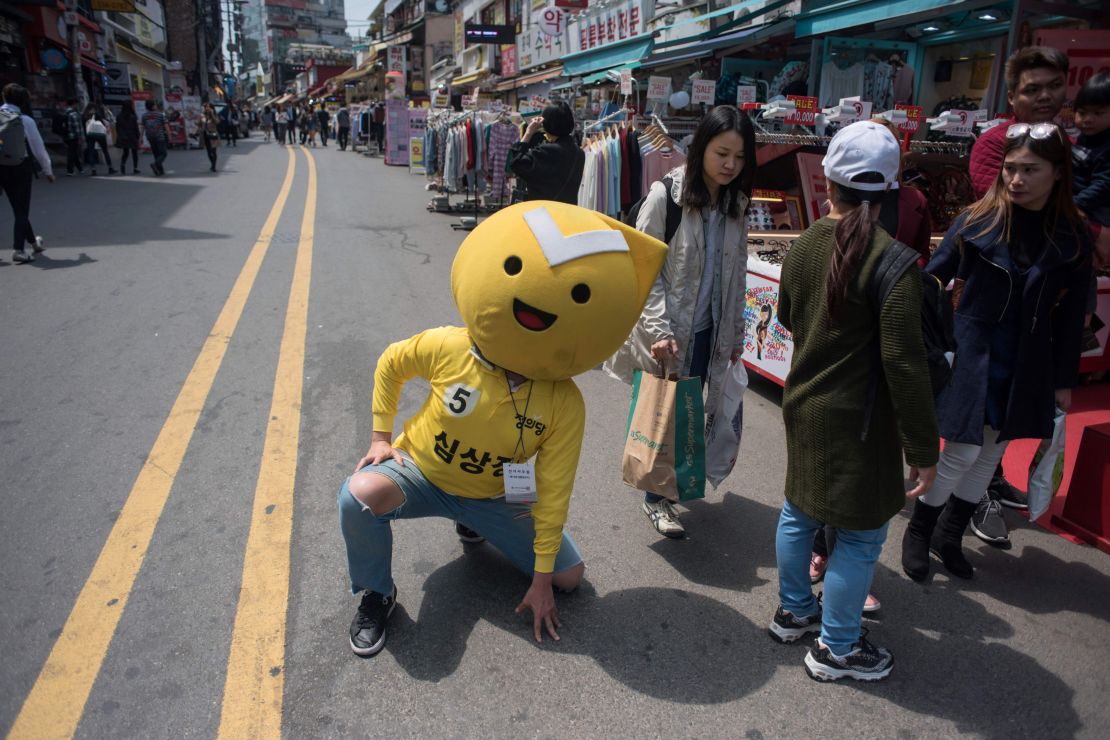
<point>865,663</point>
<point>1001,491</point>
<point>368,626</point>
<point>786,628</point>
<point>468,535</point>
<point>988,525</point>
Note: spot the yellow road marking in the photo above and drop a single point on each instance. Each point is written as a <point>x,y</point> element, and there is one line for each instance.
<point>256,666</point>
<point>57,699</point>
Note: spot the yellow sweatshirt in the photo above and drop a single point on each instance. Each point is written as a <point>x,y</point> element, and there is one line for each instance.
<point>468,426</point>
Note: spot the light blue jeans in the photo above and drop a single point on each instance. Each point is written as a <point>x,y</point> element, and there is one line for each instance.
<point>369,538</point>
<point>847,579</point>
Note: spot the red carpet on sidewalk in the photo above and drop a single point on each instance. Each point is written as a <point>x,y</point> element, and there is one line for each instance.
<point>1090,406</point>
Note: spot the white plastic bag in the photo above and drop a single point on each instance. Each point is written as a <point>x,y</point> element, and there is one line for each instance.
<point>722,438</point>
<point>1047,469</point>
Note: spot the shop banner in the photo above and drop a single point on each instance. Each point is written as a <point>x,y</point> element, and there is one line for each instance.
<point>805,110</point>
<point>811,175</point>
<point>624,20</point>
<point>175,119</point>
<point>117,82</point>
<point>746,94</point>
<point>396,132</point>
<point>552,21</point>
<point>508,61</point>
<point>626,82</point>
<point>534,46</point>
<point>705,91</point>
<point>658,87</point>
<point>915,114</point>
<point>396,59</point>
<point>192,109</point>
<point>768,346</point>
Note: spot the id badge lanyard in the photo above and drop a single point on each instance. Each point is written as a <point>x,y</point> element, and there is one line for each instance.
<point>520,474</point>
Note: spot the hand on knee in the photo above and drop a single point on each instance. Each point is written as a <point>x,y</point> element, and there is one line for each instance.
<point>376,492</point>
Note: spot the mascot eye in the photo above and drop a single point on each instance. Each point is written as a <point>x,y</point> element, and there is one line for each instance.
<point>580,293</point>
<point>513,265</point>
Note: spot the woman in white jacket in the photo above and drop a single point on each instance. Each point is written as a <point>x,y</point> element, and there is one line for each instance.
<point>694,318</point>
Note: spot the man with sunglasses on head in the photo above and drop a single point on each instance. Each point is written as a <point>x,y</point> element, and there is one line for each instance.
<point>1036,86</point>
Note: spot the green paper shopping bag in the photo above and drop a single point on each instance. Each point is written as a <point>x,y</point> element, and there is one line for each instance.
<point>664,446</point>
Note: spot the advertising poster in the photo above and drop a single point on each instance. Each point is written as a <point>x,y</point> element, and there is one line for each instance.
<point>175,119</point>
<point>396,133</point>
<point>192,109</point>
<point>768,346</point>
<point>416,155</point>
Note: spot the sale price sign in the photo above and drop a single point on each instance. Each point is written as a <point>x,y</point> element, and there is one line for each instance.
<point>745,94</point>
<point>915,114</point>
<point>705,91</point>
<point>658,87</point>
<point>805,110</point>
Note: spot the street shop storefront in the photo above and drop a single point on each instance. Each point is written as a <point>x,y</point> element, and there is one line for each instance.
<point>48,55</point>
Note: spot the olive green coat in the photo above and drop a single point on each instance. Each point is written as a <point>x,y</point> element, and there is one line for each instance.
<point>832,474</point>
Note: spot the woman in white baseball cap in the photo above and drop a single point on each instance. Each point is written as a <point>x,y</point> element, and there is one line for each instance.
<point>837,476</point>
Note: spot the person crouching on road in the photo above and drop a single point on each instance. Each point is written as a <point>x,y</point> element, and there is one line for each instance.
<point>1020,259</point>
<point>835,475</point>
<point>17,175</point>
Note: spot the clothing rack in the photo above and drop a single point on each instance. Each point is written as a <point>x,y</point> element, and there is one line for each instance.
<point>587,125</point>
<point>953,148</point>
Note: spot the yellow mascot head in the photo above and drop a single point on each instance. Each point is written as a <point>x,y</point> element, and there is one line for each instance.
<point>550,290</point>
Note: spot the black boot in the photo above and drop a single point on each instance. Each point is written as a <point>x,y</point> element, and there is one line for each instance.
<point>915,542</point>
<point>946,542</point>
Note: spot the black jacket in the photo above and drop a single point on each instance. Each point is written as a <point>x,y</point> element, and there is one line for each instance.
<point>1052,305</point>
<point>550,170</point>
<point>1091,176</point>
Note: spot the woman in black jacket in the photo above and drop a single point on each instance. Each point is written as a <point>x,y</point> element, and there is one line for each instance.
<point>127,137</point>
<point>1020,264</point>
<point>549,165</point>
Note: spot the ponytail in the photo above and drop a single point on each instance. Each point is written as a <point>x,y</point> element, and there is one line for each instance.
<point>850,241</point>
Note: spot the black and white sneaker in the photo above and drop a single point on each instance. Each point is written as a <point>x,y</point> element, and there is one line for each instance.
<point>1001,491</point>
<point>368,626</point>
<point>786,628</point>
<point>664,518</point>
<point>988,525</point>
<point>468,535</point>
<point>866,662</point>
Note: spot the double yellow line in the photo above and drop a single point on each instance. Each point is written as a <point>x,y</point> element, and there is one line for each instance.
<point>256,670</point>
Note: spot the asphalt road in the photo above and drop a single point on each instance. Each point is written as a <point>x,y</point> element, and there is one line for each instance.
<point>139,502</point>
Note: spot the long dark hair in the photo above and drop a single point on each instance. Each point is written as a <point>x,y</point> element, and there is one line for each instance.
<point>995,209</point>
<point>719,120</point>
<point>851,237</point>
<point>127,110</point>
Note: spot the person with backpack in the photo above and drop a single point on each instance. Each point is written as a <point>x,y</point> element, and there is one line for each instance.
<point>127,137</point>
<point>694,319</point>
<point>19,141</point>
<point>157,135</point>
<point>343,127</point>
<point>1019,260</point>
<point>839,474</point>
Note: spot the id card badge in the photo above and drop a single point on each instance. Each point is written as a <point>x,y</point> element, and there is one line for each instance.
<point>520,482</point>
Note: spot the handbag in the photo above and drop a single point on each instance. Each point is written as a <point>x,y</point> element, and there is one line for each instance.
<point>664,446</point>
<point>725,426</point>
<point>1046,471</point>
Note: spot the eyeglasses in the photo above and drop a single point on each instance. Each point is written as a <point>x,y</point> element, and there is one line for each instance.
<point>1037,131</point>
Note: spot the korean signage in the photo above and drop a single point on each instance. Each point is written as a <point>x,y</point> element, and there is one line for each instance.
<point>396,59</point>
<point>658,87</point>
<point>552,21</point>
<point>805,110</point>
<point>626,82</point>
<point>915,114</point>
<point>534,46</point>
<point>705,91</point>
<point>616,23</point>
<point>508,61</point>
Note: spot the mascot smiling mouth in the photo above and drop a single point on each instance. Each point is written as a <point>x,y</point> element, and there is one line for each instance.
<point>532,318</point>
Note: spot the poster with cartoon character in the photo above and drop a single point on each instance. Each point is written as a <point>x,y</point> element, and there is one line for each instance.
<point>768,346</point>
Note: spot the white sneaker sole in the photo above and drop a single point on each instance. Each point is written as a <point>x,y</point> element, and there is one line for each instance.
<point>818,671</point>
<point>786,636</point>
<point>676,533</point>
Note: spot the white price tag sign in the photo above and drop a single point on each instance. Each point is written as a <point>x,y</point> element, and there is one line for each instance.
<point>968,119</point>
<point>626,82</point>
<point>520,483</point>
<point>746,94</point>
<point>658,87</point>
<point>705,91</point>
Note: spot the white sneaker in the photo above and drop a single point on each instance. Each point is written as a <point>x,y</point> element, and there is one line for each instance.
<point>39,245</point>
<point>664,518</point>
<point>21,256</point>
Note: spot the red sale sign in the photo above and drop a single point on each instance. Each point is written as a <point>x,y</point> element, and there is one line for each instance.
<point>915,114</point>
<point>805,110</point>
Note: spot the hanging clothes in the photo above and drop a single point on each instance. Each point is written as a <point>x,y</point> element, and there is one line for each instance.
<point>502,135</point>
<point>837,83</point>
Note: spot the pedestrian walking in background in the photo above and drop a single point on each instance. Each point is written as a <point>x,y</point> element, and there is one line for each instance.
<point>96,135</point>
<point>1021,261</point>
<point>291,123</point>
<point>323,119</point>
<point>343,127</point>
<point>210,134</point>
<point>547,161</point>
<point>279,125</point>
<point>20,140</point>
<point>267,119</point>
<point>378,126</point>
<point>127,137</point>
<point>75,132</point>
<point>231,124</point>
<point>836,475</point>
<point>157,135</point>
<point>693,318</point>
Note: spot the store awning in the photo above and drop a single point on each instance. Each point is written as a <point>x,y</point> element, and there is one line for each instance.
<point>567,85</point>
<point>614,55</point>
<point>470,78</point>
<point>530,79</point>
<point>699,48</point>
<point>829,16</point>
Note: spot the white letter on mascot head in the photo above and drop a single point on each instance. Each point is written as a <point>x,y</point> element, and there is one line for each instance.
<point>549,290</point>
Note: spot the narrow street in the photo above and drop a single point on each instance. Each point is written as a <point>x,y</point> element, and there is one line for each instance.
<point>187,379</point>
